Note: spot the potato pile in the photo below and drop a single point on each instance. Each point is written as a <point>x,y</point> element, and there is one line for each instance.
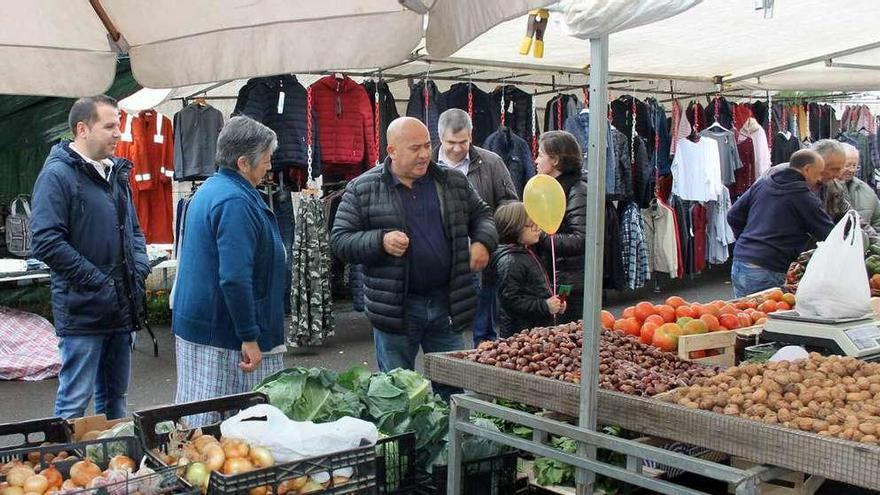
<point>626,364</point>
<point>832,396</point>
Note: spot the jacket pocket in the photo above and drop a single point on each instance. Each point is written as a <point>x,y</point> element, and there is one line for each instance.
<point>93,309</point>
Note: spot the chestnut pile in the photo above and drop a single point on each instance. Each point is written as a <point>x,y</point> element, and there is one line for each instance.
<point>832,396</point>
<point>626,365</point>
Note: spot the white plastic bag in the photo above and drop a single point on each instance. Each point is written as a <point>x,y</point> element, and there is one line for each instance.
<point>835,283</point>
<point>290,440</point>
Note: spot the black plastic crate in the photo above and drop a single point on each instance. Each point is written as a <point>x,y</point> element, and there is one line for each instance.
<point>396,464</point>
<point>145,421</point>
<point>161,482</point>
<point>362,460</point>
<point>495,475</point>
<point>33,433</point>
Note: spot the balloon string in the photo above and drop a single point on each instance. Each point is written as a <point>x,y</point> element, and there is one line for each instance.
<point>553,256</point>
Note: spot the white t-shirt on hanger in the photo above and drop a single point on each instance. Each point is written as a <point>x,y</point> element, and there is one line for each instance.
<point>696,170</point>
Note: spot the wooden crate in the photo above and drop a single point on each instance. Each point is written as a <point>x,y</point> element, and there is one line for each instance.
<point>775,445</point>
<point>793,483</point>
<point>724,343</point>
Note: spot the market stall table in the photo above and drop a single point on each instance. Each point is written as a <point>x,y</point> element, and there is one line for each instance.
<point>774,445</point>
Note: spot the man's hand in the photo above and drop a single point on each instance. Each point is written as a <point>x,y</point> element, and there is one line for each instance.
<point>479,257</point>
<point>250,356</point>
<point>395,243</point>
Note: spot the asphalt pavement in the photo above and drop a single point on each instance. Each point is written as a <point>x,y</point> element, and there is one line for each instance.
<point>153,379</point>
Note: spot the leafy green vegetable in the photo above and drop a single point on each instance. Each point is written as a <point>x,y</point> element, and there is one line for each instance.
<point>415,385</point>
<point>310,395</point>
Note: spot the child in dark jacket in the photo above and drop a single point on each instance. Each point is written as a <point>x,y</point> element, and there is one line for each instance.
<point>524,295</point>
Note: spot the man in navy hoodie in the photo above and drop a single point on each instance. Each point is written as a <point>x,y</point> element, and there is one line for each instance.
<point>773,222</point>
<point>85,228</point>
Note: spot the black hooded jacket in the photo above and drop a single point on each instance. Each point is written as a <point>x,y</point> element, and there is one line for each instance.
<point>774,219</point>
<point>523,289</point>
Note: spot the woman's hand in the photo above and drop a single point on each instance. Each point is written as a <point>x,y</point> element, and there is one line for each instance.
<point>555,305</point>
<point>250,356</point>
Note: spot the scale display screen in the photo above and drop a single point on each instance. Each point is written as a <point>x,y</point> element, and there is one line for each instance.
<point>864,337</point>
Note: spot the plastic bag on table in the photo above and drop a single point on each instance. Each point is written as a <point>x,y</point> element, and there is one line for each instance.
<point>835,283</point>
<point>290,440</point>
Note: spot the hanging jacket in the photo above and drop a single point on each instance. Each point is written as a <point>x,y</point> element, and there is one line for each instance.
<point>622,166</point>
<point>725,113</point>
<point>516,155</point>
<point>613,274</point>
<point>634,247</point>
<point>571,236</point>
<point>196,129</point>
<point>85,228</point>
<point>518,111</point>
<point>486,115</point>
<point>387,111</point>
<point>259,99</point>
<point>371,207</point>
<point>348,142</point>
<point>579,126</point>
<point>622,118</point>
<point>488,176</point>
<point>559,109</point>
<point>523,286</point>
<point>660,234</point>
<point>643,174</point>
<point>661,148</point>
<point>419,98</point>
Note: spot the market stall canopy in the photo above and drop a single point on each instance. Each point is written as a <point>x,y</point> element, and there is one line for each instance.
<point>71,50</point>
<point>805,45</point>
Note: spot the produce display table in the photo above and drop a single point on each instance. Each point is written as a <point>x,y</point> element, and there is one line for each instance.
<point>831,458</point>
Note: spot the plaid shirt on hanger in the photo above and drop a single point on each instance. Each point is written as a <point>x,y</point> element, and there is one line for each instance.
<point>634,248</point>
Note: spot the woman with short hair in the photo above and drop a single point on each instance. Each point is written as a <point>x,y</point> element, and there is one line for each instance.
<point>228,297</point>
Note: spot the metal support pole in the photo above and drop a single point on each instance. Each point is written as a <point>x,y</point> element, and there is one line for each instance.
<point>595,240</point>
<point>454,463</point>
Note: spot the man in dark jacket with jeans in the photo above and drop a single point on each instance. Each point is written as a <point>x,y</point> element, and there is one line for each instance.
<point>420,231</point>
<point>490,178</point>
<point>772,222</point>
<point>85,228</point>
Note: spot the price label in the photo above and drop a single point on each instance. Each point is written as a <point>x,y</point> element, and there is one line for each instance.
<point>864,337</point>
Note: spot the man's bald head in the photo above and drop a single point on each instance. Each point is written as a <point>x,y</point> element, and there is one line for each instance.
<point>409,147</point>
<point>809,163</point>
<point>404,126</point>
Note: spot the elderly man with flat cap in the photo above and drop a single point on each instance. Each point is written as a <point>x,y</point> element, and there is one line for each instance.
<point>420,231</point>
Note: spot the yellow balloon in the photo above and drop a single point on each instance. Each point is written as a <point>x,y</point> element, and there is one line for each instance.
<point>544,200</point>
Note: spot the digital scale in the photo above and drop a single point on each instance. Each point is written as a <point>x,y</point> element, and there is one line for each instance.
<point>856,337</point>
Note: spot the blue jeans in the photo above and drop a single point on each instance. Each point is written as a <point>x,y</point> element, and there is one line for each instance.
<point>749,278</point>
<point>429,326</point>
<point>487,307</point>
<point>94,364</point>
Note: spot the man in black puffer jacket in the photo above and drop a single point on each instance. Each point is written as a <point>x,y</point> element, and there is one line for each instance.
<point>408,222</point>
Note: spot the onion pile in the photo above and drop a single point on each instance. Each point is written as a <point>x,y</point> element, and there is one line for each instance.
<point>23,479</point>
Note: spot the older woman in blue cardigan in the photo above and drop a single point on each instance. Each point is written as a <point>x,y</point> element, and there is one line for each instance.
<point>228,297</point>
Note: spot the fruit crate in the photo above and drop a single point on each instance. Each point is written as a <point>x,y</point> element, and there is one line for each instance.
<point>33,433</point>
<point>714,348</point>
<point>163,481</point>
<point>495,475</point>
<point>361,461</point>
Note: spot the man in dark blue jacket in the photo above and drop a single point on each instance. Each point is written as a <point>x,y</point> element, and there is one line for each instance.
<point>773,221</point>
<point>85,228</point>
<point>420,231</point>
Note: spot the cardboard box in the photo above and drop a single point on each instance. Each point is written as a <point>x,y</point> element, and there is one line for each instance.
<point>99,422</point>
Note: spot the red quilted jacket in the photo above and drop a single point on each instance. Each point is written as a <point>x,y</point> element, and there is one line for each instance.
<point>345,120</point>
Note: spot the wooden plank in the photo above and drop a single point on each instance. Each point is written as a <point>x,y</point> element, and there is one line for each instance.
<point>832,458</point>
<point>724,342</point>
